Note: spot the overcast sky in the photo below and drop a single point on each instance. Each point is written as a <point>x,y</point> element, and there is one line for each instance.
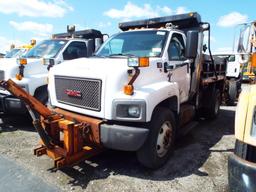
<point>22,20</point>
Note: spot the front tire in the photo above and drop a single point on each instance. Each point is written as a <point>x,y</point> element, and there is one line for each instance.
<point>160,141</point>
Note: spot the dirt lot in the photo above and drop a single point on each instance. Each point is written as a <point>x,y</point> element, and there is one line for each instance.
<point>199,162</point>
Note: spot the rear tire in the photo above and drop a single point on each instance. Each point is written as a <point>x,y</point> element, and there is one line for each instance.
<point>160,141</point>
<point>212,111</point>
<point>232,92</point>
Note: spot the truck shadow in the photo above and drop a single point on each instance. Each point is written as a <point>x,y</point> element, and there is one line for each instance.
<point>191,153</point>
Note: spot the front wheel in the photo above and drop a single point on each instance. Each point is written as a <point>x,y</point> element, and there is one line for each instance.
<point>159,143</point>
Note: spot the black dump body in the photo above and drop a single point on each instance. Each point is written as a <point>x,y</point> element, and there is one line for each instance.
<point>209,68</point>
<point>191,21</point>
<point>85,34</point>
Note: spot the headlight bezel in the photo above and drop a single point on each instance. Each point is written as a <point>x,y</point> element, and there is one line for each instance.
<point>120,106</point>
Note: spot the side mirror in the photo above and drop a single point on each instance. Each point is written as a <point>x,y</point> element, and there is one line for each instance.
<point>191,44</point>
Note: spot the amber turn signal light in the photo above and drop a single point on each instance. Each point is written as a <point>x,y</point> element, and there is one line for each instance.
<point>23,61</point>
<point>128,89</point>
<point>19,77</point>
<point>143,61</point>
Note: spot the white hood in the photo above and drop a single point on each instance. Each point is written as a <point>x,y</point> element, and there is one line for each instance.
<point>111,71</point>
<point>9,66</point>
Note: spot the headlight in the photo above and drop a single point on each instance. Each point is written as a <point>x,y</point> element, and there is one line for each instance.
<point>134,111</point>
<point>129,110</point>
<point>133,62</point>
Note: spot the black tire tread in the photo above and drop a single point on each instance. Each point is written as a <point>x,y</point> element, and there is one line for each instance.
<point>147,154</point>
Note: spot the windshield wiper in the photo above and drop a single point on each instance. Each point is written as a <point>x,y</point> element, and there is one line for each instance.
<point>101,56</point>
<point>122,54</point>
<point>32,56</point>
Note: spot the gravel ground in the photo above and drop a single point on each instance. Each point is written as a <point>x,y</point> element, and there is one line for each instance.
<point>199,162</point>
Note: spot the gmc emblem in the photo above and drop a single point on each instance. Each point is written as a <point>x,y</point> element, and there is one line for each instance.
<point>73,93</point>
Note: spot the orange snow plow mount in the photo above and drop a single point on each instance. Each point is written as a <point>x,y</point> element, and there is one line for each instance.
<point>66,137</point>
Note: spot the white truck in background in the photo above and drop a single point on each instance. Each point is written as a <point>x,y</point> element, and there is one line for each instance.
<point>233,76</point>
<point>146,85</point>
<point>16,52</point>
<point>31,71</point>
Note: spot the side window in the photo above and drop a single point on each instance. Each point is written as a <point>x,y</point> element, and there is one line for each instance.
<point>176,49</point>
<point>75,50</point>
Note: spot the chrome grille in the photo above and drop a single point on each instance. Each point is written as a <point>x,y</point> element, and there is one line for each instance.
<point>88,92</point>
<point>1,75</point>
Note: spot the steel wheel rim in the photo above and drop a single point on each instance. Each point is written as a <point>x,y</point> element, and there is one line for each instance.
<point>164,139</point>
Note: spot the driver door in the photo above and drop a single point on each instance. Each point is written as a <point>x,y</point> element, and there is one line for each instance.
<point>181,69</point>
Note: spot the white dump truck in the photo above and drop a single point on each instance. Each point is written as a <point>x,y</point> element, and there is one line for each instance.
<point>31,71</point>
<point>146,84</point>
<point>20,51</point>
<point>144,87</point>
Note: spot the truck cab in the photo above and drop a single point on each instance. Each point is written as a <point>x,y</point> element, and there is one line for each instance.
<point>31,70</point>
<point>144,85</point>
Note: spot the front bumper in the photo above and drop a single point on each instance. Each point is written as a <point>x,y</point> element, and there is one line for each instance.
<point>241,175</point>
<point>112,136</point>
<point>120,137</point>
<point>11,105</point>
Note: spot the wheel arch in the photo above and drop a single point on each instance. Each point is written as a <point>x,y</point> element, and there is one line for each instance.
<point>41,94</point>
<point>40,89</point>
<point>171,103</point>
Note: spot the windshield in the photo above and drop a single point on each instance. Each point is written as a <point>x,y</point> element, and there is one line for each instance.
<point>15,53</point>
<point>46,49</point>
<point>135,43</point>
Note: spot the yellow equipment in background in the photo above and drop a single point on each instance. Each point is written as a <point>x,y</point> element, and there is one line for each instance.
<point>247,49</point>
<point>27,46</point>
<point>19,51</point>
